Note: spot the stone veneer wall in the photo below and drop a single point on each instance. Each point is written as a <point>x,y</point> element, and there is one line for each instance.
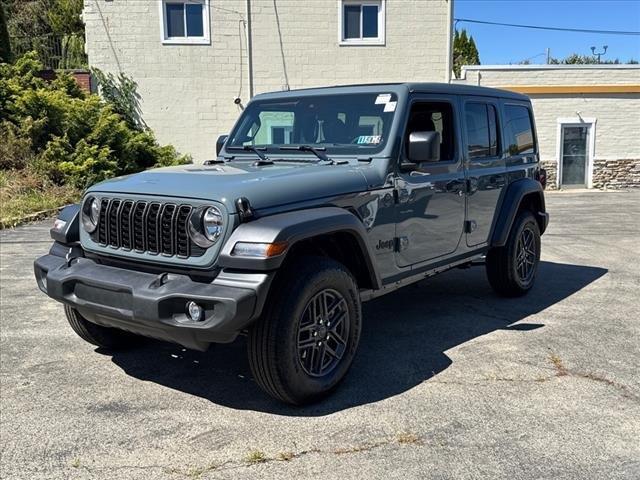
<point>607,174</point>
<point>552,173</point>
<point>614,174</point>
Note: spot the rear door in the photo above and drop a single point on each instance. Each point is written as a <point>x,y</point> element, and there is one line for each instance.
<point>485,165</point>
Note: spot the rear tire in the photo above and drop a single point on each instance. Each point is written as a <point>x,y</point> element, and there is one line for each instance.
<point>104,337</point>
<point>303,346</point>
<point>512,269</point>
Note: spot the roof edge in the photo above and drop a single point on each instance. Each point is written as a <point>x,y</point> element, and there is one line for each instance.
<point>615,66</point>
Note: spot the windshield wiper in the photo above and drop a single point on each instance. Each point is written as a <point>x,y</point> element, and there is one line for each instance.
<point>250,148</point>
<point>317,151</point>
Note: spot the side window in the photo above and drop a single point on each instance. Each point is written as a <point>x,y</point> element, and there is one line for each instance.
<point>433,117</point>
<point>518,130</point>
<point>481,121</point>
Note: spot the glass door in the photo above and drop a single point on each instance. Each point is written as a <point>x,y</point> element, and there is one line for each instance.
<point>574,155</point>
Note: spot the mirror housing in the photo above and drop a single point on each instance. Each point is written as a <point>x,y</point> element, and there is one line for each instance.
<point>220,143</point>
<point>424,147</point>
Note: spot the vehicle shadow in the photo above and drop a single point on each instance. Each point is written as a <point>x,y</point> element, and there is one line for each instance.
<point>405,337</point>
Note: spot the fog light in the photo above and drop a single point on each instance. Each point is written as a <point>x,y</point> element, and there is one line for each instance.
<point>195,311</point>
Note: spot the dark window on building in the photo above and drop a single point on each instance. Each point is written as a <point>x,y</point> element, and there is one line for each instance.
<point>361,20</point>
<point>175,19</point>
<point>369,21</point>
<point>519,130</point>
<point>482,140</point>
<point>194,20</point>
<point>185,19</point>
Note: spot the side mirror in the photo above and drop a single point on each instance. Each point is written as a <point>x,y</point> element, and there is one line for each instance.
<point>220,143</point>
<point>424,147</point>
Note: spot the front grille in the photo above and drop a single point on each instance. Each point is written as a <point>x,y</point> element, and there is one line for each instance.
<point>146,227</point>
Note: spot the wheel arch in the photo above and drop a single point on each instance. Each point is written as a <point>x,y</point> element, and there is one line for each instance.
<point>326,231</point>
<point>522,194</point>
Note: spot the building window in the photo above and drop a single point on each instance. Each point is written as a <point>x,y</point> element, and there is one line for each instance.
<point>362,22</point>
<point>185,21</point>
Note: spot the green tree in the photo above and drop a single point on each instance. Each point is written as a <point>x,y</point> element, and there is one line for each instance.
<point>5,46</point>
<point>465,51</point>
<point>577,59</point>
<point>53,28</point>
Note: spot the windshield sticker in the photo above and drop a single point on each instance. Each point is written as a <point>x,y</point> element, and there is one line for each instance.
<point>369,139</point>
<point>383,98</point>
<point>390,107</point>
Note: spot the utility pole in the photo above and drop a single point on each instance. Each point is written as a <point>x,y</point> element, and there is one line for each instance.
<point>593,51</point>
<point>548,55</point>
<point>249,50</point>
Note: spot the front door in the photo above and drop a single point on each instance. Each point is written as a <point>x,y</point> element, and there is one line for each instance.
<point>574,155</point>
<point>431,198</point>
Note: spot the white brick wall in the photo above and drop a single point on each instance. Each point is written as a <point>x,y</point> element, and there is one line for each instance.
<point>187,90</point>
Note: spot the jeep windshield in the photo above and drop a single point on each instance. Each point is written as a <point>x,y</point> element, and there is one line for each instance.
<point>345,124</point>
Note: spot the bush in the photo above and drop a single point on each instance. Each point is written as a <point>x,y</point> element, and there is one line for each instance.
<point>70,137</point>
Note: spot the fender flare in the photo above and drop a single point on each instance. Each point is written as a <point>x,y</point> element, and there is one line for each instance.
<point>293,227</point>
<point>70,232</point>
<point>513,197</point>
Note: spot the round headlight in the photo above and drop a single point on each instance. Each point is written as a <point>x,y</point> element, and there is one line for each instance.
<point>212,223</point>
<point>90,214</point>
<point>206,226</point>
<point>94,214</point>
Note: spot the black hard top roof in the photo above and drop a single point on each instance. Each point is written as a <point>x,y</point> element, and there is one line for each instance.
<point>437,88</point>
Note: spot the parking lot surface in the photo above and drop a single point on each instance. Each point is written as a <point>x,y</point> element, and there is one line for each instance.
<point>450,381</point>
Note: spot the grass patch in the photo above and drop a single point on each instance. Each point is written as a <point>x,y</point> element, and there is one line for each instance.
<point>25,192</point>
<point>561,370</point>
<point>286,456</point>
<point>408,438</point>
<point>256,456</point>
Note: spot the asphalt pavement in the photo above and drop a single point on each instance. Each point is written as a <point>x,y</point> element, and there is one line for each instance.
<point>450,381</point>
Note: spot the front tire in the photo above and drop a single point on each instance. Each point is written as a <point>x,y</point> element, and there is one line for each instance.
<point>104,337</point>
<point>512,269</point>
<point>303,346</point>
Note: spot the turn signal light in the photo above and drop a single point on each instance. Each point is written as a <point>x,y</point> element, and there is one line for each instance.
<point>260,250</point>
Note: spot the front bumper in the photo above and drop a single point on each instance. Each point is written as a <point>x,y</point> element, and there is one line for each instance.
<point>154,305</point>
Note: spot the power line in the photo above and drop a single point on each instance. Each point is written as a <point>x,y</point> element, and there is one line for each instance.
<point>540,27</point>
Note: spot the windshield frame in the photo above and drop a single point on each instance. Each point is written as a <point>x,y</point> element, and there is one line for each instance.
<point>351,150</point>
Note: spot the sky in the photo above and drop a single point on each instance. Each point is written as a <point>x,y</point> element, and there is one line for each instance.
<point>503,45</point>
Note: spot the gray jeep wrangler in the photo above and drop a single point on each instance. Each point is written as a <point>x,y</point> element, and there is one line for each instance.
<point>318,200</point>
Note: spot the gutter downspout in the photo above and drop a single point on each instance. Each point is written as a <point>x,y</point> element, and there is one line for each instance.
<point>449,61</point>
<point>249,51</point>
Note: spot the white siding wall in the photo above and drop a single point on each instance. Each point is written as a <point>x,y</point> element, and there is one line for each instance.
<point>187,90</point>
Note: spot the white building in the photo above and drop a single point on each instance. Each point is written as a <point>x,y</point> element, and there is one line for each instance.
<point>191,58</point>
<point>587,118</point>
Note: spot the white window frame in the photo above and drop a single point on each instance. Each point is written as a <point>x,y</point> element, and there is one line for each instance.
<point>206,21</point>
<point>589,122</point>
<point>380,39</point>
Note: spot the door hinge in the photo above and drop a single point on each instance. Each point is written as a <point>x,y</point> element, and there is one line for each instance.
<point>470,226</point>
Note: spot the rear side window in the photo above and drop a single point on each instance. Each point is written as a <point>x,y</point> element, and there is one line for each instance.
<point>518,130</point>
<point>481,123</point>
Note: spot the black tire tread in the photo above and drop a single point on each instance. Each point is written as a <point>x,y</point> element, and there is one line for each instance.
<point>261,341</point>
<point>498,263</point>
